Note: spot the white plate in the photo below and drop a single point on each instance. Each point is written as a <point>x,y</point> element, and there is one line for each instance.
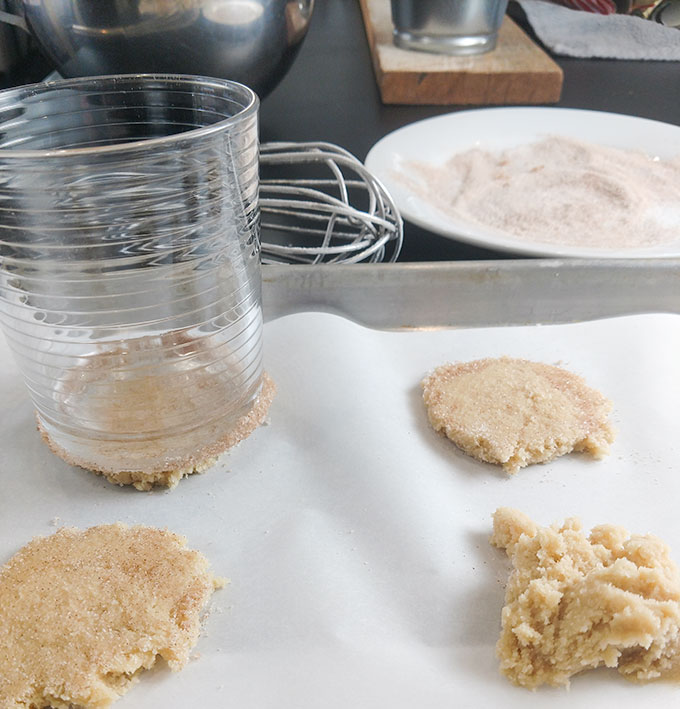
<point>436,139</point>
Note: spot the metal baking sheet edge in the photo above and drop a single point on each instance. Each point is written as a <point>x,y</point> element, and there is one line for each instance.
<point>398,296</point>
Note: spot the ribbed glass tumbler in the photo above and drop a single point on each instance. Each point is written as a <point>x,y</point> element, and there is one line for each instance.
<point>130,288</point>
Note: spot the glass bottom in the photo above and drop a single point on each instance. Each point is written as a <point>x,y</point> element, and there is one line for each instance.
<point>459,45</point>
<point>155,403</point>
<point>146,463</point>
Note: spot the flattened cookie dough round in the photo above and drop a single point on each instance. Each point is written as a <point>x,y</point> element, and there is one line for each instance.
<point>169,470</point>
<point>513,412</point>
<point>84,612</point>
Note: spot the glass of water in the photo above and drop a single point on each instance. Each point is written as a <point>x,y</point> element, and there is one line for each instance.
<point>130,288</point>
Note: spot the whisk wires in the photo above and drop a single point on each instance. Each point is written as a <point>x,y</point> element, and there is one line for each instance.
<point>319,204</point>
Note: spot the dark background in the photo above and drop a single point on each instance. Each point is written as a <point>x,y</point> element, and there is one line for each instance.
<point>330,94</point>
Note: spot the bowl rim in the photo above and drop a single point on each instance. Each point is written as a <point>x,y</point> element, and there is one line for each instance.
<point>27,90</point>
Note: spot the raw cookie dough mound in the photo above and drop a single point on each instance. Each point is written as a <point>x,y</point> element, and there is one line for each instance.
<point>575,602</point>
<point>82,613</point>
<point>513,412</point>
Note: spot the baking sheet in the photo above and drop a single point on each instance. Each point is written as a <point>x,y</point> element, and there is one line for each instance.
<point>355,538</point>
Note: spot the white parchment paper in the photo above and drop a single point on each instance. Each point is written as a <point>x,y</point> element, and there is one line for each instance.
<point>356,538</point>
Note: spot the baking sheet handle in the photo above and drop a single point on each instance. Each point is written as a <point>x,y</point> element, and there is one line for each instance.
<point>475,293</point>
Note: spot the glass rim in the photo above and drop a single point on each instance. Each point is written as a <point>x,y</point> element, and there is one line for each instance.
<point>248,109</point>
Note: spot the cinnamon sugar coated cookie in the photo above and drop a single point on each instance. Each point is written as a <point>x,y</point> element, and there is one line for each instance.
<point>575,602</point>
<point>513,412</point>
<point>82,613</point>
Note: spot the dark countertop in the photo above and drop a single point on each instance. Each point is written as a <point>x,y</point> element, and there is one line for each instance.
<point>330,94</point>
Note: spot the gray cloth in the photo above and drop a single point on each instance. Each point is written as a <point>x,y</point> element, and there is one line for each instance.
<point>575,33</point>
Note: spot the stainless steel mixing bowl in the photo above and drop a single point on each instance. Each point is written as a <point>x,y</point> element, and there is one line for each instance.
<point>250,41</point>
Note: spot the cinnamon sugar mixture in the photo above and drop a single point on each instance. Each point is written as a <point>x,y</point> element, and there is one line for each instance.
<point>559,191</point>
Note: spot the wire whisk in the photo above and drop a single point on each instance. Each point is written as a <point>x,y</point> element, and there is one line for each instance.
<point>319,204</point>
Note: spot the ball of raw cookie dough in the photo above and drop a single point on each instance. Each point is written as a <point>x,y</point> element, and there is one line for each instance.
<point>577,601</point>
<point>513,412</point>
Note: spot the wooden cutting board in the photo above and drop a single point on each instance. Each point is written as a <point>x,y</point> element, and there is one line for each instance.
<point>516,72</point>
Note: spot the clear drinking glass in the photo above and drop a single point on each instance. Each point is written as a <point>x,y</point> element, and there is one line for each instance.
<point>459,27</point>
<point>130,287</point>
